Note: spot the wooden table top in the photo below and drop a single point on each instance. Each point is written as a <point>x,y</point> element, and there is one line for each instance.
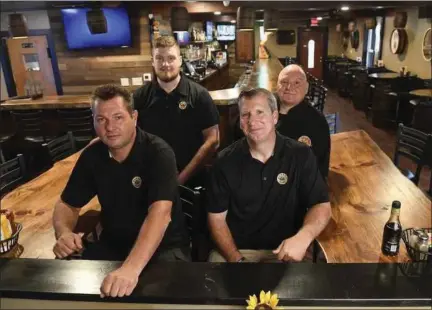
<point>425,92</point>
<point>363,183</point>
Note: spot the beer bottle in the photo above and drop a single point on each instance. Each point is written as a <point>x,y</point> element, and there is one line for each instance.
<point>392,232</point>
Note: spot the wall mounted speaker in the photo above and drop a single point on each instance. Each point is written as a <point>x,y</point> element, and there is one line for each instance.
<point>96,21</point>
<point>18,25</point>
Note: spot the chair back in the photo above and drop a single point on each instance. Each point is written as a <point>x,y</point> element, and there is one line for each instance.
<point>30,124</point>
<point>12,173</point>
<point>422,118</point>
<point>79,122</point>
<point>61,147</point>
<point>411,143</point>
<point>333,122</point>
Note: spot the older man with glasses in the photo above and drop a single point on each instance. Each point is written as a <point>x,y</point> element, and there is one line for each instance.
<point>266,199</point>
<point>298,119</point>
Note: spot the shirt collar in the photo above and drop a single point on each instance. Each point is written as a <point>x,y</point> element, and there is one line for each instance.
<point>182,87</point>
<point>135,155</point>
<point>278,150</point>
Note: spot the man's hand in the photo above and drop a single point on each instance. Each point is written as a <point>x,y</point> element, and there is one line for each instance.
<point>119,283</point>
<point>292,249</point>
<point>182,178</point>
<point>67,244</point>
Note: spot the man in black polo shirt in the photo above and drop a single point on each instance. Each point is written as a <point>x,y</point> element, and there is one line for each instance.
<point>298,119</point>
<point>134,176</point>
<point>266,198</point>
<point>179,111</point>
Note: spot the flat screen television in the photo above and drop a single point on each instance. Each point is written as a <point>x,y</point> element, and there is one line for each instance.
<point>182,37</point>
<point>78,35</point>
<point>225,32</point>
<point>209,30</point>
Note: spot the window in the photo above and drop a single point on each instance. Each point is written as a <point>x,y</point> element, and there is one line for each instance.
<point>311,54</point>
<point>373,43</point>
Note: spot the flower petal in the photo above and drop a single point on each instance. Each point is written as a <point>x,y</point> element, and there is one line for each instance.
<point>274,301</point>
<point>267,298</point>
<point>262,297</point>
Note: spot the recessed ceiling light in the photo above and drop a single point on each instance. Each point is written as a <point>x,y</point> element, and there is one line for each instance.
<point>233,21</point>
<point>379,7</point>
<point>259,10</point>
<point>319,18</point>
<point>217,13</point>
<point>345,8</point>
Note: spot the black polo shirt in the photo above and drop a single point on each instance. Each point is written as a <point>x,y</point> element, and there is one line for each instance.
<point>302,122</point>
<point>178,117</point>
<point>126,190</point>
<point>266,203</point>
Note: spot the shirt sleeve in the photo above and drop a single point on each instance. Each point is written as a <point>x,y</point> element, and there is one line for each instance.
<point>163,175</point>
<point>81,186</point>
<point>313,189</point>
<point>217,193</point>
<point>207,111</point>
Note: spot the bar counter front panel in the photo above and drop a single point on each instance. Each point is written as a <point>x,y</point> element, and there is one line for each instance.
<point>41,283</point>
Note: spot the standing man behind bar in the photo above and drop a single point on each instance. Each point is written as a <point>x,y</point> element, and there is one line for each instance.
<point>179,111</point>
<point>134,176</point>
<point>298,119</point>
<point>267,200</point>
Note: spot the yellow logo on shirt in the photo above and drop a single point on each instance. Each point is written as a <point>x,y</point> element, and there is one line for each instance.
<point>282,178</point>
<point>306,140</point>
<point>182,105</point>
<point>137,182</point>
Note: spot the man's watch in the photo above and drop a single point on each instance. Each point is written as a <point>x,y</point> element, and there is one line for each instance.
<point>242,260</point>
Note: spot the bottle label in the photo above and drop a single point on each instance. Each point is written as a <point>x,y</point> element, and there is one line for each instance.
<point>391,246</point>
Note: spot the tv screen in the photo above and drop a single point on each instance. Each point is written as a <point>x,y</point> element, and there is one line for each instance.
<point>209,31</point>
<point>225,32</point>
<point>182,37</point>
<point>285,37</point>
<point>78,35</point>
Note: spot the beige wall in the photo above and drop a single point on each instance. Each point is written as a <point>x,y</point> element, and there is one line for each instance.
<point>3,89</point>
<point>334,44</point>
<point>412,57</point>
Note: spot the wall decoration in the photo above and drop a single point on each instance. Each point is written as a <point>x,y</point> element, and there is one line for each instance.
<point>398,41</point>
<point>400,19</point>
<point>355,39</point>
<point>427,45</point>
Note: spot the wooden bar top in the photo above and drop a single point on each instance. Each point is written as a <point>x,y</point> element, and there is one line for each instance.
<point>363,183</point>
<point>264,74</point>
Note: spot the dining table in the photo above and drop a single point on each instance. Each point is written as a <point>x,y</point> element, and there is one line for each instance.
<point>363,182</point>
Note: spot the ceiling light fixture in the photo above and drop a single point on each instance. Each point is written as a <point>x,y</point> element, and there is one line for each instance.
<point>319,18</point>
<point>217,13</point>
<point>345,8</point>
<point>233,21</point>
<point>379,7</point>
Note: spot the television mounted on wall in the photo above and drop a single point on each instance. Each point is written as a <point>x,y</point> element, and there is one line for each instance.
<point>285,37</point>
<point>80,34</point>
<point>226,32</point>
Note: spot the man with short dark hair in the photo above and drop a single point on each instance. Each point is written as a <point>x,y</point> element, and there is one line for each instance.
<point>298,119</point>
<point>266,199</point>
<point>179,111</point>
<point>134,176</point>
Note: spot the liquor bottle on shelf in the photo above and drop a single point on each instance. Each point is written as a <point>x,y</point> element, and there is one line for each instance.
<point>392,232</point>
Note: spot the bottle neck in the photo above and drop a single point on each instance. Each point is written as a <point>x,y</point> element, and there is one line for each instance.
<point>394,215</point>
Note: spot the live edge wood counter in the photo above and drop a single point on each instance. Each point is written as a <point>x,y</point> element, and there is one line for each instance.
<point>363,183</point>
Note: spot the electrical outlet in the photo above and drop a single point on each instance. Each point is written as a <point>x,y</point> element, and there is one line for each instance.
<point>137,81</point>
<point>124,82</point>
<point>147,77</point>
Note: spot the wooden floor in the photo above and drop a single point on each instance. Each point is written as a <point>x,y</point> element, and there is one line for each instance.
<point>351,119</point>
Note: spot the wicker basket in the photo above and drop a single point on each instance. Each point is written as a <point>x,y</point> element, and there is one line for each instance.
<point>8,244</point>
<point>415,254</point>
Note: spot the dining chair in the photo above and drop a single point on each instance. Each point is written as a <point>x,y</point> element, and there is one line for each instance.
<point>12,173</point>
<point>61,147</point>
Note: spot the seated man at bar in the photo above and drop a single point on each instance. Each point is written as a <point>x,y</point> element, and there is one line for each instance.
<point>180,111</point>
<point>134,176</point>
<point>298,119</point>
<point>267,200</point>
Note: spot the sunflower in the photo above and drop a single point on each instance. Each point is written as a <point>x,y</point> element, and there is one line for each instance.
<point>267,301</point>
